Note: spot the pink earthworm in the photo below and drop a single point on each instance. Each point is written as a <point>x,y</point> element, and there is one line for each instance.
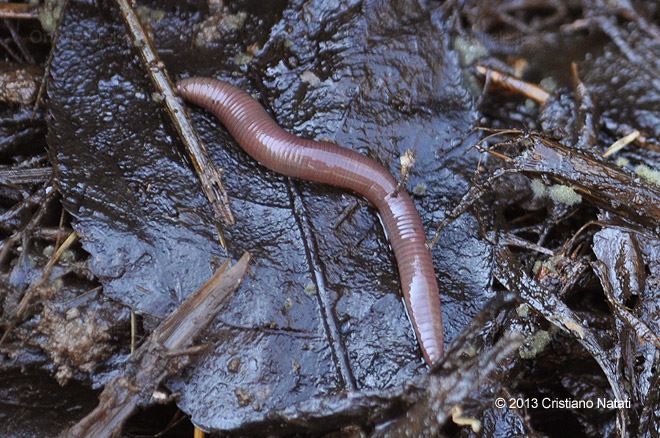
<point>327,163</point>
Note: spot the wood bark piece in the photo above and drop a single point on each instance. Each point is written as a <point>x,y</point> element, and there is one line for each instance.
<point>162,355</point>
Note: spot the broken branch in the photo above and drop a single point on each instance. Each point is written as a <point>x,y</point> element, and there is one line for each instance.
<point>152,363</point>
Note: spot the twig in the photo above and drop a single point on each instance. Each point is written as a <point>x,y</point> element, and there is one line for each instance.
<point>346,213</point>
<point>60,226</point>
<point>510,83</point>
<point>570,242</point>
<point>10,51</point>
<point>152,361</point>
<point>19,42</point>
<point>621,143</point>
<point>25,302</point>
<point>510,239</point>
<point>208,174</point>
<point>53,41</point>
<point>52,233</point>
<point>176,419</point>
<point>473,195</point>
<point>25,176</point>
<point>18,11</point>
<point>601,183</point>
<point>19,118</point>
<point>585,129</point>
<point>513,277</point>
<point>641,329</point>
<point>12,218</point>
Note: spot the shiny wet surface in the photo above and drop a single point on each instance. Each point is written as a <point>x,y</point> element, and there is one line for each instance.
<point>144,219</point>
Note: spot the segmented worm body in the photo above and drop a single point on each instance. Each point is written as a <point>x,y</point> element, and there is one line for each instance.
<point>260,136</point>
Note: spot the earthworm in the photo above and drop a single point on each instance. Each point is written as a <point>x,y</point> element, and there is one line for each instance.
<point>327,163</point>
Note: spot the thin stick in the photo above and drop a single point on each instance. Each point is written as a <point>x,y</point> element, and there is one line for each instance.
<point>133,331</point>
<point>513,240</point>
<point>208,174</point>
<point>499,155</point>
<point>18,11</point>
<point>473,194</point>
<point>23,305</point>
<point>19,42</point>
<point>510,83</point>
<point>60,227</point>
<point>52,234</point>
<point>621,143</point>
<point>42,85</point>
<point>348,211</point>
<point>25,176</point>
<point>60,250</point>
<point>585,136</point>
<point>11,52</point>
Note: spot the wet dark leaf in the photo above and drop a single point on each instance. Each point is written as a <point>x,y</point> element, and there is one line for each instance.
<point>321,312</point>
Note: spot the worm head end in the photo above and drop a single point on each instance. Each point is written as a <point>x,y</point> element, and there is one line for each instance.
<point>185,86</point>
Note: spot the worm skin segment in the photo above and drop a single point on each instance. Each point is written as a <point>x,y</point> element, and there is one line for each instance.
<point>327,163</point>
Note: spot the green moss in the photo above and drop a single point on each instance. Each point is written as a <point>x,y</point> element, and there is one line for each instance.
<point>622,162</point>
<point>538,188</point>
<point>149,15</point>
<point>564,194</point>
<point>310,289</point>
<point>469,350</point>
<point>650,175</point>
<point>67,257</point>
<point>243,58</point>
<point>419,189</point>
<point>48,251</point>
<point>214,28</point>
<point>534,344</point>
<point>234,21</point>
<point>549,265</point>
<point>523,310</point>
